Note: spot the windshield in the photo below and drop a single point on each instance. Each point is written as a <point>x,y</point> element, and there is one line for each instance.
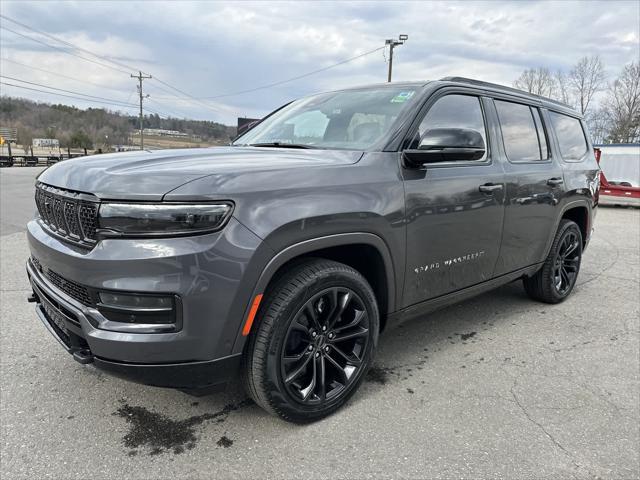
<point>351,119</point>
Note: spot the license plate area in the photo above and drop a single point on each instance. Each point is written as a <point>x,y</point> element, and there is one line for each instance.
<point>57,320</point>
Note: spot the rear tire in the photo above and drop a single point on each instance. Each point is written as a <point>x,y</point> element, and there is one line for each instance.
<point>555,280</point>
<point>313,341</point>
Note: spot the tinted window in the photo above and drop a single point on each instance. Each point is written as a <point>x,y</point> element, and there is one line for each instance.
<point>350,119</point>
<point>455,111</point>
<point>570,135</point>
<point>519,132</point>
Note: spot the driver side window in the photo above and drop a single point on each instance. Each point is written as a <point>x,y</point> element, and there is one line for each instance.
<point>454,111</point>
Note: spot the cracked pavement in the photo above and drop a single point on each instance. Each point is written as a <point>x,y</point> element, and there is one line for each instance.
<point>498,386</point>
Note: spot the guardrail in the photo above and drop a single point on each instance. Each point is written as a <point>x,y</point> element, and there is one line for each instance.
<point>35,160</point>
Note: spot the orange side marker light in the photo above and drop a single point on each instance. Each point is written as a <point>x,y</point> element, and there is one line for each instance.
<point>252,315</point>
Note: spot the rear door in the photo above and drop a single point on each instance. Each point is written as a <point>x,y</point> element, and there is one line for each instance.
<point>534,185</point>
<point>454,210</point>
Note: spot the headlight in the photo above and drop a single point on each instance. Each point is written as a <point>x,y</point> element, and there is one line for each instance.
<point>158,219</point>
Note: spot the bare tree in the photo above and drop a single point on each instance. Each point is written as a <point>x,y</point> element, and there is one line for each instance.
<point>623,105</point>
<point>536,80</point>
<point>586,79</point>
<point>25,137</point>
<point>599,124</point>
<point>561,90</point>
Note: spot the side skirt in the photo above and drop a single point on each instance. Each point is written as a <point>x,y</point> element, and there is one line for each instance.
<point>428,306</point>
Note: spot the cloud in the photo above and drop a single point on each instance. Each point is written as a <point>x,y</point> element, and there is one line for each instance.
<point>210,49</point>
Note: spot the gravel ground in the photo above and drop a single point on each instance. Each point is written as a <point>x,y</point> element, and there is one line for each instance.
<point>497,386</point>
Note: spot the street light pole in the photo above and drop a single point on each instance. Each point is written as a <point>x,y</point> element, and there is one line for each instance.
<point>392,44</point>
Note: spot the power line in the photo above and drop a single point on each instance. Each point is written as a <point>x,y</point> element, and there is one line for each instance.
<point>61,49</point>
<point>117,104</point>
<point>297,77</point>
<point>63,95</point>
<point>120,64</point>
<point>67,91</point>
<point>64,42</point>
<point>193,98</point>
<point>63,76</point>
<point>172,112</point>
<point>197,100</point>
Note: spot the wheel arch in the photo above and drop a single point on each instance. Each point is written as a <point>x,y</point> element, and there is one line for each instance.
<point>577,209</point>
<point>366,252</point>
<point>580,215</point>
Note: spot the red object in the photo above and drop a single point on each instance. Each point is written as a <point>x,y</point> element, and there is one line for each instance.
<point>614,193</point>
<point>252,315</point>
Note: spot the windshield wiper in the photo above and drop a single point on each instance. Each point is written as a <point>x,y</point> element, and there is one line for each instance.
<point>281,145</point>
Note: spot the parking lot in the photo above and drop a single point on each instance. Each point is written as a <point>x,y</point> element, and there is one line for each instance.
<point>498,386</point>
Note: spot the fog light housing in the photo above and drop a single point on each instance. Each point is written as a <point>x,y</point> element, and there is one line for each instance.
<point>137,308</point>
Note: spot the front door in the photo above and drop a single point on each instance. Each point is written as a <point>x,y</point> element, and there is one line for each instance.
<point>454,209</point>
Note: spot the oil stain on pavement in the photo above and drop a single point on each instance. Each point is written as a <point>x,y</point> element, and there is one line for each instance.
<point>161,434</point>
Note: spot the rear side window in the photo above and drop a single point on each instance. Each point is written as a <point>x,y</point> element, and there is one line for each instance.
<point>573,144</point>
<point>522,140</point>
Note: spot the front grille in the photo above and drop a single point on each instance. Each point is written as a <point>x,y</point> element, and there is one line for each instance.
<point>71,288</point>
<point>69,215</point>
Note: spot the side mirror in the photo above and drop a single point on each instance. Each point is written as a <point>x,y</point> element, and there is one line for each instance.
<point>446,145</point>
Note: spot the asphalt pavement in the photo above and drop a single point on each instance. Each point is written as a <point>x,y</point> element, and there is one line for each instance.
<point>495,387</point>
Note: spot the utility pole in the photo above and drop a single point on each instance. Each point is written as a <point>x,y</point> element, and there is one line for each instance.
<point>392,44</point>
<point>141,77</point>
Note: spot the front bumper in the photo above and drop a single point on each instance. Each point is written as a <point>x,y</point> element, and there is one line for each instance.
<point>207,274</point>
<point>64,318</point>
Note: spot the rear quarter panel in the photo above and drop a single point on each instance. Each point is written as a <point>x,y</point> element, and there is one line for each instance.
<point>581,182</point>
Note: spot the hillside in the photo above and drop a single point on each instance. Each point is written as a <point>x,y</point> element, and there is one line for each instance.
<point>95,127</point>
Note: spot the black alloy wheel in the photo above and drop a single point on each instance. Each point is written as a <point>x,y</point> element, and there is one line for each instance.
<point>313,340</point>
<point>567,262</point>
<point>557,276</point>
<point>324,344</point>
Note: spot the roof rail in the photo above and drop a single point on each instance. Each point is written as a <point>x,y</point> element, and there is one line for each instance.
<point>497,86</point>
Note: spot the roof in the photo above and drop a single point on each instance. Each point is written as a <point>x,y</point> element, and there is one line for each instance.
<point>493,87</point>
<point>510,90</point>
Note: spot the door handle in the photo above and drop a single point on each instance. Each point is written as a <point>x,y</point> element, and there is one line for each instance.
<point>489,187</point>
<point>555,181</point>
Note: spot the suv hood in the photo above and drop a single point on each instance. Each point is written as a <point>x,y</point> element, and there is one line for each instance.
<point>149,175</point>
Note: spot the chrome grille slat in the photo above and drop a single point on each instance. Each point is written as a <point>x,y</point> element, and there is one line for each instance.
<point>69,215</point>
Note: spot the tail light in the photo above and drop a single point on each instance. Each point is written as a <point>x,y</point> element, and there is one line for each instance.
<point>597,153</point>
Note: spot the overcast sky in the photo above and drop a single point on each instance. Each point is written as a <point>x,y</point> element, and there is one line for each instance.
<point>208,49</point>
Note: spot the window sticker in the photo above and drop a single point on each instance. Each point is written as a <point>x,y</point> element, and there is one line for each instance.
<point>402,97</point>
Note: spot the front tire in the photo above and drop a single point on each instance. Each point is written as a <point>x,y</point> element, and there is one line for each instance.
<point>554,282</point>
<point>314,341</point>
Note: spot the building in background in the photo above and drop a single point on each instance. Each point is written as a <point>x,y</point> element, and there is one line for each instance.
<point>164,133</point>
<point>46,143</point>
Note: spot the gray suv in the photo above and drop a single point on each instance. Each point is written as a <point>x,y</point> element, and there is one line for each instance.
<point>280,258</point>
